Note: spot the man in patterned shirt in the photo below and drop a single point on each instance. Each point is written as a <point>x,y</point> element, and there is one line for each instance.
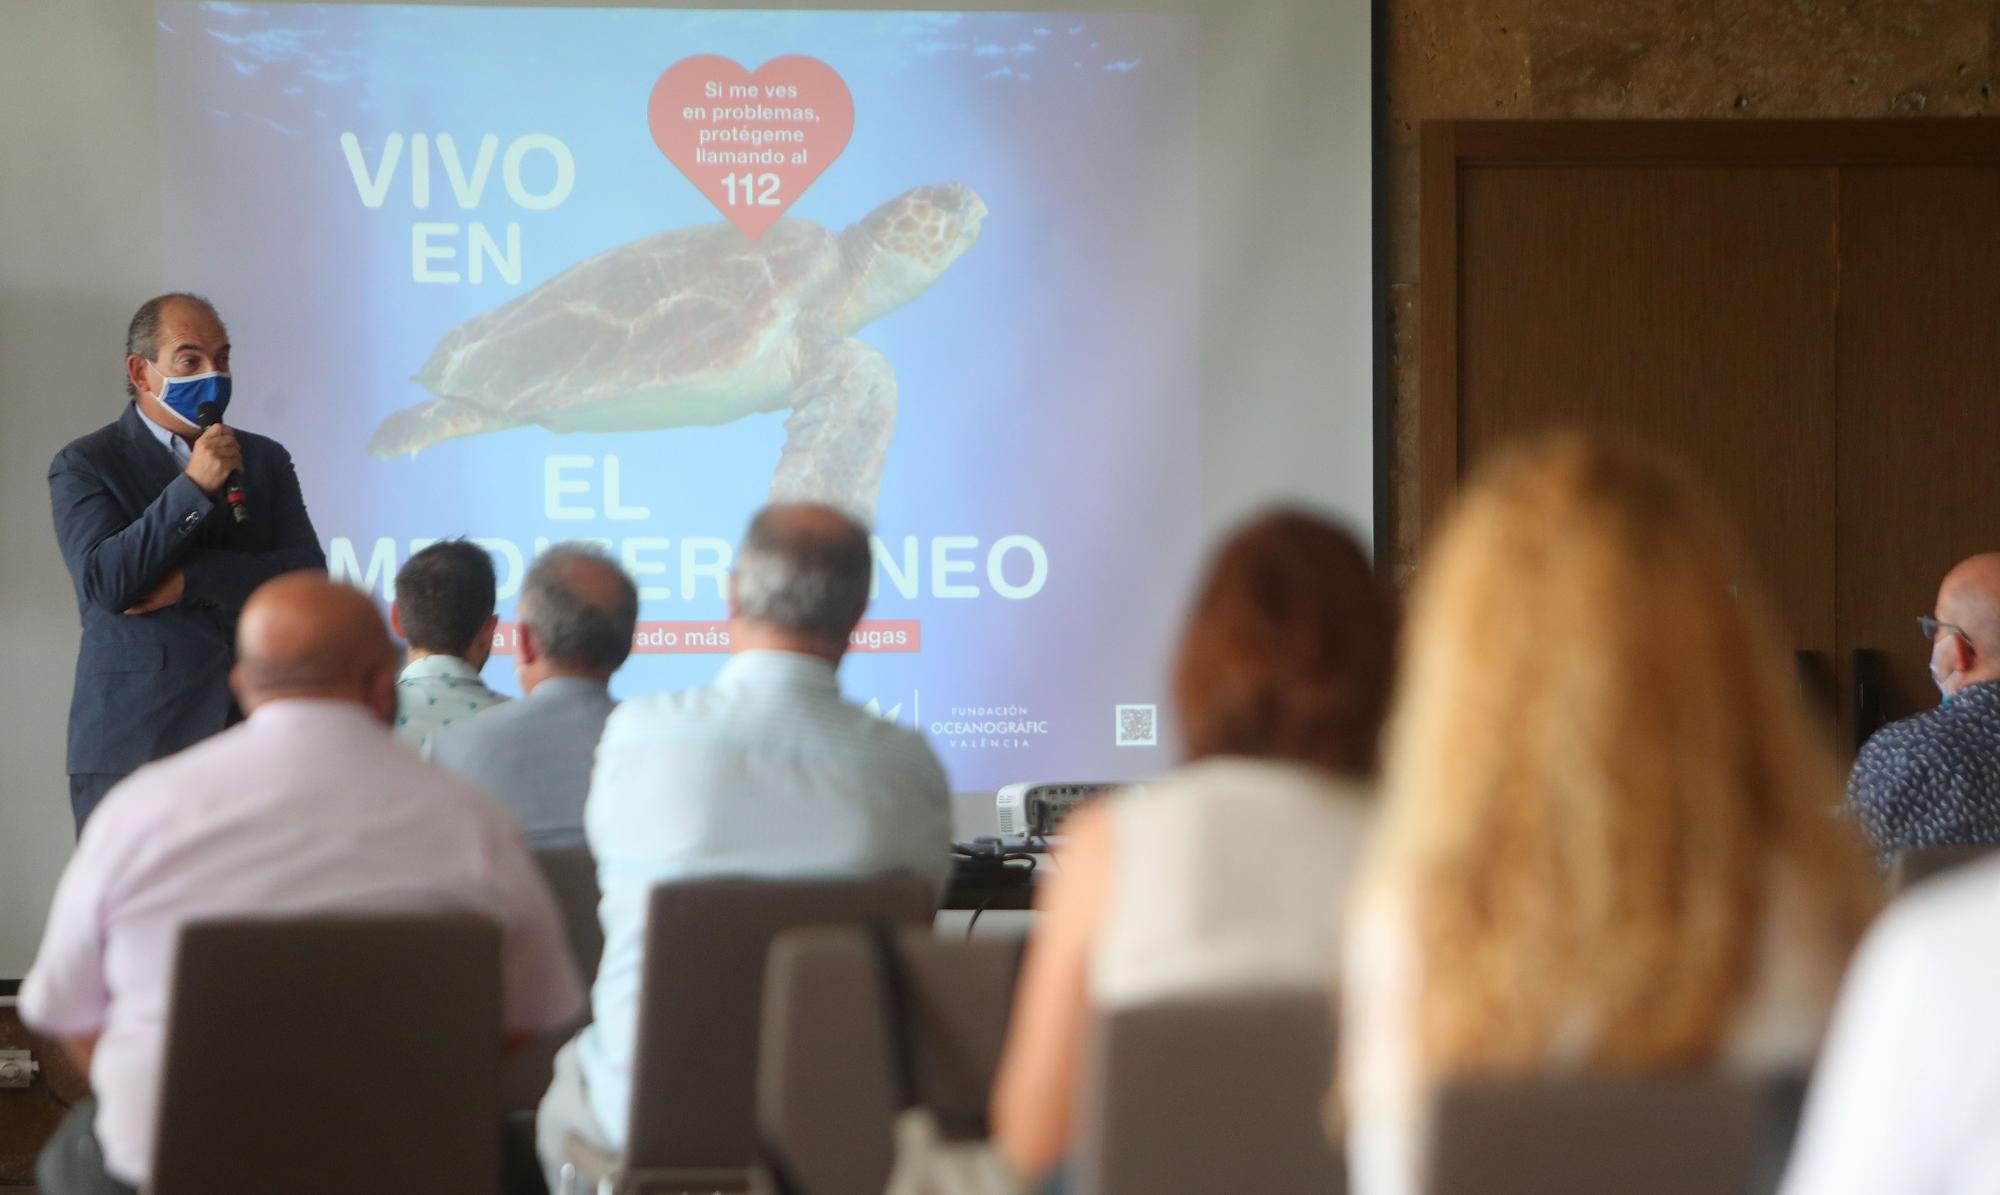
<point>444,609</point>
<point>1934,779</point>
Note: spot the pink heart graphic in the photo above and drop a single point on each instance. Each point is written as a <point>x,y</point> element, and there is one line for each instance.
<point>750,142</point>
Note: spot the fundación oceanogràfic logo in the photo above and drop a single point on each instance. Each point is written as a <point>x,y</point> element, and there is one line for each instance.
<point>988,728</point>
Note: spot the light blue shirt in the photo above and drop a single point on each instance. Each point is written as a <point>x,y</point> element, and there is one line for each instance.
<point>768,772</point>
<point>181,450</point>
<point>534,754</point>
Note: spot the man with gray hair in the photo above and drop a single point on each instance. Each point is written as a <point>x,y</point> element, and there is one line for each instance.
<point>576,616</point>
<point>767,771</point>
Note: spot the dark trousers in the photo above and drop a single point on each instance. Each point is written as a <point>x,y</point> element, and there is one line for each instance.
<point>86,789</point>
<point>72,1163</point>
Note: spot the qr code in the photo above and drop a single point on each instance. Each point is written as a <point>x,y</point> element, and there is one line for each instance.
<point>1138,726</point>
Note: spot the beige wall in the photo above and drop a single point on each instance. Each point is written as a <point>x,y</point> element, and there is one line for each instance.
<point>1650,59</point>
<point>78,239</point>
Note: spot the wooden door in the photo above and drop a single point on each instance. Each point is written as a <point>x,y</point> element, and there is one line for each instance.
<point>1918,381</point>
<point>1806,312</point>
<point>1689,309</point>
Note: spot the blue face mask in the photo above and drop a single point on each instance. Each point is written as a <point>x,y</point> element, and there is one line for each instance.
<point>186,396</point>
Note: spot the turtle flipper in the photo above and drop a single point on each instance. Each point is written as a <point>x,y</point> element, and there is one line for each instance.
<point>414,428</point>
<point>843,415</point>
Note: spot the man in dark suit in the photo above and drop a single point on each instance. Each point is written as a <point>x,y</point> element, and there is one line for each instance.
<point>161,567</point>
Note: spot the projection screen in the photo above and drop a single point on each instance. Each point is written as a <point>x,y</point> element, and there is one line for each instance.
<point>991,280</point>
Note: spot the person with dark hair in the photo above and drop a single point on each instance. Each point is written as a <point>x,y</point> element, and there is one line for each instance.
<point>1229,873</point>
<point>444,610</point>
<point>767,771</point>
<point>160,569</point>
<point>577,614</point>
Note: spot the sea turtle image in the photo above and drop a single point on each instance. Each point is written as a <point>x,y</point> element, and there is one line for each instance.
<point>701,326</point>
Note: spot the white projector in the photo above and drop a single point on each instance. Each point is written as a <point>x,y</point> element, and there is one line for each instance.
<point>1035,810</point>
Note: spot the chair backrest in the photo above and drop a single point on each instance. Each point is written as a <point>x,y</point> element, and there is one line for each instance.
<point>1921,863</point>
<point>572,876</point>
<point>825,1097</point>
<point>1217,1092</point>
<point>1694,1134</point>
<point>701,991</point>
<point>332,1055</point>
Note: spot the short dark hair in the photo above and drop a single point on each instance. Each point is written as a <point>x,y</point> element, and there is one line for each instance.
<point>142,335</point>
<point>1287,652</point>
<point>579,626</point>
<point>806,568</point>
<point>444,595</point>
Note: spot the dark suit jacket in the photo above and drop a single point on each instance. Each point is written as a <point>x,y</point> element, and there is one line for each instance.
<point>148,685</point>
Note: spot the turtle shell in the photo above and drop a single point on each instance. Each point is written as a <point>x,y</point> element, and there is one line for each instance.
<point>664,312</point>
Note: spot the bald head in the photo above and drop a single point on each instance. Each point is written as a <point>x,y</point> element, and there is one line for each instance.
<point>802,575</point>
<point>1969,601</point>
<point>302,635</point>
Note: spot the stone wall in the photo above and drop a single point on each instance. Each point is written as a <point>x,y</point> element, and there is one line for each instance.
<point>1650,59</point>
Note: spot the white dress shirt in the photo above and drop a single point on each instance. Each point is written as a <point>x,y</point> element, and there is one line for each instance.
<point>765,772</point>
<point>305,808</point>
<point>1908,1090</point>
<point>435,691</point>
<point>1232,875</point>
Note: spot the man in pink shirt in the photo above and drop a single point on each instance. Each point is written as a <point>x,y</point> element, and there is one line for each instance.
<point>305,808</point>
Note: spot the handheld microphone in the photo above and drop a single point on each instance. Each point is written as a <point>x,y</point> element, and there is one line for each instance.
<point>207,415</point>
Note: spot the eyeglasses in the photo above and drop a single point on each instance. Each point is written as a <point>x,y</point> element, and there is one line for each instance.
<point>1931,626</point>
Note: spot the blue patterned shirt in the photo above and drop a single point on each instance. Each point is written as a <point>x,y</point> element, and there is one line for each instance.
<point>1933,779</point>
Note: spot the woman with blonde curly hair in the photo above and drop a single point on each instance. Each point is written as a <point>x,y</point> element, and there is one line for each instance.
<point>1609,842</point>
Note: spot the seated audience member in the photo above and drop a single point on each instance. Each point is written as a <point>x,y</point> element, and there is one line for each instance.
<point>1902,1101</point>
<point>767,771</point>
<point>302,809</point>
<point>444,611</point>
<point>1607,840</point>
<point>1934,779</point>
<point>577,613</point>
<point>1230,872</point>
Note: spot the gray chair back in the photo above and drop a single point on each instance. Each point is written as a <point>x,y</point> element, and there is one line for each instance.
<point>1694,1134</point>
<point>330,1055</point>
<point>700,995</point>
<point>1210,1093</point>
<point>572,876</point>
<point>1921,863</point>
<point>825,1096</point>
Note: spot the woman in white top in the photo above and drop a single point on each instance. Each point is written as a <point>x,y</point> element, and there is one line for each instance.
<point>1228,873</point>
<point>1608,842</point>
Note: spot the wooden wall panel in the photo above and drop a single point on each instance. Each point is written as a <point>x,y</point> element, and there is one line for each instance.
<point>1919,403</point>
<point>1690,309</point>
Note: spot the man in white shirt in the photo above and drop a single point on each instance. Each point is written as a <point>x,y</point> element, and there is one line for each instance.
<point>299,810</point>
<point>765,772</point>
<point>444,611</point>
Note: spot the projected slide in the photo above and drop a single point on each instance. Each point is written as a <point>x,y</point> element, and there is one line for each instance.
<point>533,275</point>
